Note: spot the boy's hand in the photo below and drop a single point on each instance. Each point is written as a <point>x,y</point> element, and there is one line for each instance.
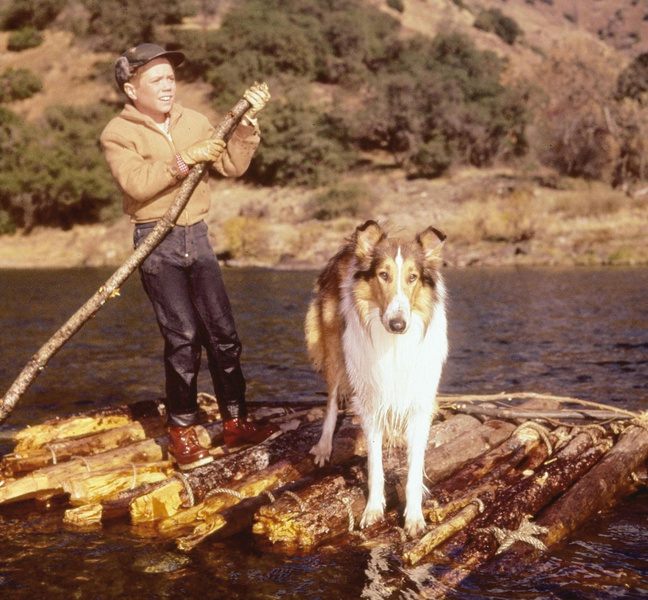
<point>205,151</point>
<point>258,96</point>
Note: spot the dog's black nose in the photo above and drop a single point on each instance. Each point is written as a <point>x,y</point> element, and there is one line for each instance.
<point>397,325</point>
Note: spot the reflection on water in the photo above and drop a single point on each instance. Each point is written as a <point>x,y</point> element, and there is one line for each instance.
<point>580,333</point>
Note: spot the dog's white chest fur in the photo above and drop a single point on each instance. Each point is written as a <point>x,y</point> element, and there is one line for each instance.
<point>393,376</point>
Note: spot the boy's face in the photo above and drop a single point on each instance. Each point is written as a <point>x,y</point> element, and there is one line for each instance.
<point>153,89</point>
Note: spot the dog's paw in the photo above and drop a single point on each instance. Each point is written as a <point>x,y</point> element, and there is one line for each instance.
<point>322,454</point>
<point>371,516</point>
<point>414,523</point>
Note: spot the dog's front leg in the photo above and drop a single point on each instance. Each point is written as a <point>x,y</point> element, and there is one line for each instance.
<point>322,450</point>
<point>417,435</point>
<point>375,509</point>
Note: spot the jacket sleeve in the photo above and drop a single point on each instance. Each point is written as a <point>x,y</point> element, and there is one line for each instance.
<point>236,159</point>
<point>140,178</point>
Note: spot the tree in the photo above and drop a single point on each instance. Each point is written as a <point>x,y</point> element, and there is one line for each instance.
<point>53,173</point>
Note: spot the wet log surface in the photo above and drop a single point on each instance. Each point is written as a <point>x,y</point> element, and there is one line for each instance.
<point>507,482</point>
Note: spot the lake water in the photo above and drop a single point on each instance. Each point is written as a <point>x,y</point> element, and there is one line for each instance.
<point>573,332</point>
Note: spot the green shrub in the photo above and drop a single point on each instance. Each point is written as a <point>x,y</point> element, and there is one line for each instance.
<point>7,226</point>
<point>495,21</point>
<point>18,14</point>
<point>344,200</point>
<point>53,172</point>
<point>440,98</point>
<point>432,158</point>
<point>299,147</point>
<point>427,102</point>
<point>18,84</point>
<point>23,39</point>
<point>116,25</point>
<point>633,80</point>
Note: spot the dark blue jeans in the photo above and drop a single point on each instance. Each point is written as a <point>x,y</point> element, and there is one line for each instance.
<point>183,280</point>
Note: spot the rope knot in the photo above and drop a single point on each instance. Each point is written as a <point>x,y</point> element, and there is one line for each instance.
<point>526,532</point>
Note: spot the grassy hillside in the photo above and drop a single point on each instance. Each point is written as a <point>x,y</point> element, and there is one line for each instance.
<point>519,214</point>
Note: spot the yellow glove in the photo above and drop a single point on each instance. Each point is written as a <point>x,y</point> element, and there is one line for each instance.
<point>258,96</point>
<point>205,151</point>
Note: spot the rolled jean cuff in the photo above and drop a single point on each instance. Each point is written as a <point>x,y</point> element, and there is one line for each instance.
<point>183,419</point>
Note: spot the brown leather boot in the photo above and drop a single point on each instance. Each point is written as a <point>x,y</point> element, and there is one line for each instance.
<point>238,432</point>
<point>185,449</point>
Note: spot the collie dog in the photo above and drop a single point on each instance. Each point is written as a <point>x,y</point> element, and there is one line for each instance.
<point>376,327</point>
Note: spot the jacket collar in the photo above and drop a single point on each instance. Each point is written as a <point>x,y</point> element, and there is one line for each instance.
<point>130,113</point>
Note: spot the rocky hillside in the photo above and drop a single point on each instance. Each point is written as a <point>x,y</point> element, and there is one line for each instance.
<point>492,217</point>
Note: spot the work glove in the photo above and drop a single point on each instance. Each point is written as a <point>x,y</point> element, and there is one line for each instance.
<point>258,96</point>
<point>205,151</point>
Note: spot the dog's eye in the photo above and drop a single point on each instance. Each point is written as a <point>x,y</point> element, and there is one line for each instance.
<point>383,275</point>
<point>413,277</point>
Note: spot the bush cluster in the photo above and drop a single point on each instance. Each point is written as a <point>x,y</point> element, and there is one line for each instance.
<point>430,103</point>
<point>37,14</point>
<point>24,38</point>
<point>53,172</point>
<point>18,84</point>
<point>494,20</point>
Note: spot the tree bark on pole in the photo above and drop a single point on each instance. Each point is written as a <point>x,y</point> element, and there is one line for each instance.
<point>109,289</point>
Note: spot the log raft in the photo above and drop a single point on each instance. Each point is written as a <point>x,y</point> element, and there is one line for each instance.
<point>509,477</point>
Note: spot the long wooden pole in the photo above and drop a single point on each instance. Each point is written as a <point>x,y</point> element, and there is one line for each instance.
<point>38,362</point>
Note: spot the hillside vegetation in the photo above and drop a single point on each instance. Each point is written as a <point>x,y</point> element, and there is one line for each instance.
<point>517,127</point>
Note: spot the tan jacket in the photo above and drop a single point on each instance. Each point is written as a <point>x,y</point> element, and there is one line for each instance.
<point>141,158</point>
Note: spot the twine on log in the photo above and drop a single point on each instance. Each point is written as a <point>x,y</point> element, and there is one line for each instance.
<point>221,490</point>
<point>270,495</point>
<point>481,507</point>
<point>590,429</point>
<point>51,449</point>
<point>85,462</point>
<point>641,420</point>
<point>183,478</point>
<point>526,533</point>
<point>134,483</point>
<point>351,528</point>
<point>542,432</point>
<point>297,499</point>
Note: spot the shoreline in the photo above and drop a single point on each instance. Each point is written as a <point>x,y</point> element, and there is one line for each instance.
<point>494,218</point>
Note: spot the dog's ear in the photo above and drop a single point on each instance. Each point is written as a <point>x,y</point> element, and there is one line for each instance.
<point>431,241</point>
<point>365,239</point>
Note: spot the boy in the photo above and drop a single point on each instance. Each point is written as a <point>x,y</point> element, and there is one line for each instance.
<point>150,147</point>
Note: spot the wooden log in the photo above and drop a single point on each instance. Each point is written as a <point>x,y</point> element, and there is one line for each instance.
<point>447,459</point>
<point>320,512</point>
<point>240,517</point>
<point>82,517</point>
<point>60,450</point>
<point>91,488</point>
<point>167,500</point>
<point>325,517</point>
<point>348,443</point>
<point>607,483</point>
<point>498,412</point>
<point>52,477</point>
<point>509,513</point>
<point>415,551</point>
<point>75,425</point>
<point>505,465</point>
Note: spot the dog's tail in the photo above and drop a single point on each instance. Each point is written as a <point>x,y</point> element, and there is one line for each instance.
<point>313,331</point>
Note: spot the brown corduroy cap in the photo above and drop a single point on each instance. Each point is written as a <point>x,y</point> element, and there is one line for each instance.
<point>135,57</point>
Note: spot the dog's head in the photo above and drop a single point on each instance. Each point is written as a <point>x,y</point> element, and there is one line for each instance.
<point>397,276</point>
